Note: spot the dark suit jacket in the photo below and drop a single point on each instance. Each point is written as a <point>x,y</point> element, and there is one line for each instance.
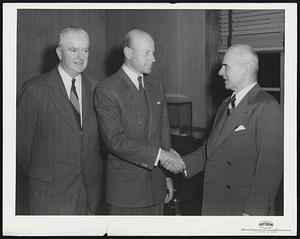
<point>132,181</point>
<point>243,169</point>
<point>63,165</point>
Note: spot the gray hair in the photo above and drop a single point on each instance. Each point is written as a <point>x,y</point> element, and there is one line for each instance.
<point>246,54</point>
<point>63,32</point>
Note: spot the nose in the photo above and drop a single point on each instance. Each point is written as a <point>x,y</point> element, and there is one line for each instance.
<point>81,54</point>
<point>221,71</point>
<point>153,58</point>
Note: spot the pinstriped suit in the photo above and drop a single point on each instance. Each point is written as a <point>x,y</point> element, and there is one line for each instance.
<point>242,168</point>
<point>133,140</point>
<point>63,166</point>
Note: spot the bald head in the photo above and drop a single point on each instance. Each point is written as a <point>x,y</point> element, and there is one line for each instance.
<point>139,51</point>
<point>133,36</point>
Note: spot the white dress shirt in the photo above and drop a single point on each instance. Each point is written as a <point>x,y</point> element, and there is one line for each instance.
<point>133,76</point>
<point>242,93</point>
<point>67,80</point>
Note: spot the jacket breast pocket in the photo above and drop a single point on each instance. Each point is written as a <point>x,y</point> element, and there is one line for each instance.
<point>157,107</point>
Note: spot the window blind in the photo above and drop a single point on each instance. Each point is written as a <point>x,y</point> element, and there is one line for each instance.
<point>262,29</point>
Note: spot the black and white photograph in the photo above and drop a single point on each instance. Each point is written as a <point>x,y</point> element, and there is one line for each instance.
<point>149,119</point>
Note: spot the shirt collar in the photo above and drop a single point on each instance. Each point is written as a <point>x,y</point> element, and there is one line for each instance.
<point>66,76</point>
<point>132,76</point>
<point>242,93</point>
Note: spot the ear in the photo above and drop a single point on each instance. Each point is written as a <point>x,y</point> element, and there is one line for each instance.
<point>59,52</point>
<point>127,52</point>
<point>247,68</point>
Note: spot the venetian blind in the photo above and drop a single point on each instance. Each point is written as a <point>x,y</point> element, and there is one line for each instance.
<point>262,29</point>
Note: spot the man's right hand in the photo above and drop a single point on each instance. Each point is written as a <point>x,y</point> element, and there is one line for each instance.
<point>171,162</point>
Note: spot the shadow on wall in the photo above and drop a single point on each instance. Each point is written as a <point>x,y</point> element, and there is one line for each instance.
<point>113,60</point>
<point>49,59</point>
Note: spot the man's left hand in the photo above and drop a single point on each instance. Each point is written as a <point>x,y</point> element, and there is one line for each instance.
<point>170,189</point>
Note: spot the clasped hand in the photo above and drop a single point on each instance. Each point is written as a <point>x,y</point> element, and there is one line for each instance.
<point>172,161</point>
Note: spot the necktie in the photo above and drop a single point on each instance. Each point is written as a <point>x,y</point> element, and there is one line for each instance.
<point>75,102</point>
<point>141,88</point>
<point>231,105</point>
<point>143,106</point>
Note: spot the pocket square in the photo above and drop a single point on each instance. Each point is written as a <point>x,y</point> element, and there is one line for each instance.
<point>158,102</point>
<point>239,128</point>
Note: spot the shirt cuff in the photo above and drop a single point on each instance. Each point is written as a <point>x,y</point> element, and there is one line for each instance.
<point>157,158</point>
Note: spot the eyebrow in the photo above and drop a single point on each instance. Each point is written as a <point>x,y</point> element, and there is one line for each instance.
<point>78,48</point>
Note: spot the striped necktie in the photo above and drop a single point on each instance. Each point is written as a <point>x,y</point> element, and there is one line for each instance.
<point>231,105</point>
<point>141,88</point>
<point>75,102</point>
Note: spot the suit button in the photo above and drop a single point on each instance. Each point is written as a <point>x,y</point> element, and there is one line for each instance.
<point>228,186</point>
<point>229,163</point>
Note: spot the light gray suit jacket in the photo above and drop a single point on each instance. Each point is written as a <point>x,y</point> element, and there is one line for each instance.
<point>133,140</point>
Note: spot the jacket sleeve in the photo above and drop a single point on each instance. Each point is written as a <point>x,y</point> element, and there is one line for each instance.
<point>165,131</point>
<point>25,127</point>
<point>114,134</point>
<point>269,165</point>
<point>195,161</point>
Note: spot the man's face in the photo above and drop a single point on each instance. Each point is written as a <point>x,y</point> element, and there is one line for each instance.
<point>74,53</point>
<point>142,54</point>
<point>232,71</point>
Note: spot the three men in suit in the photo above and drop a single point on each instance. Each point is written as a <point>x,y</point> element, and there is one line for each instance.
<point>132,115</point>
<point>243,156</point>
<point>57,133</point>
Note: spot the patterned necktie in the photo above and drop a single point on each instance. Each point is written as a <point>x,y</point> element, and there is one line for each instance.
<point>141,88</point>
<point>231,105</point>
<point>75,102</point>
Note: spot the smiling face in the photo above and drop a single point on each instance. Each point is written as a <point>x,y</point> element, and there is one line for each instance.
<point>73,52</point>
<point>140,54</point>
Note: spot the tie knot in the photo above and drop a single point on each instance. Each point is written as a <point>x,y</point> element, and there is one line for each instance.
<point>140,79</point>
<point>73,81</point>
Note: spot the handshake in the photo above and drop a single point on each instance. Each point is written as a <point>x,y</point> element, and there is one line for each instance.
<point>172,161</point>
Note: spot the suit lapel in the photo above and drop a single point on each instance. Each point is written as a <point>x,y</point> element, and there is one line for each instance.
<point>238,116</point>
<point>129,88</point>
<point>87,104</point>
<point>218,125</point>
<point>87,100</point>
<point>61,100</point>
<point>134,95</point>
